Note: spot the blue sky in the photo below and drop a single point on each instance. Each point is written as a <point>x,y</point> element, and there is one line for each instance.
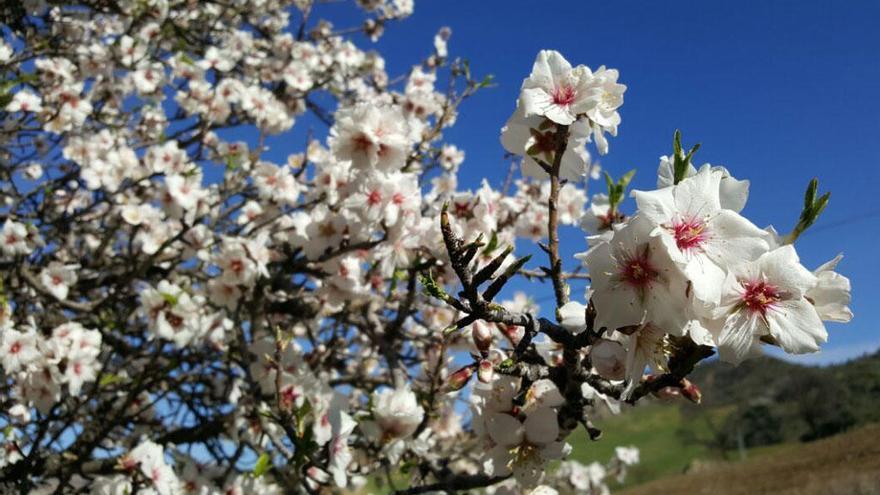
<point>779,92</point>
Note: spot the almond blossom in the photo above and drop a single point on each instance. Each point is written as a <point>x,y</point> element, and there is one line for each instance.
<point>556,90</point>
<point>766,298</point>
<point>635,281</point>
<point>698,233</point>
<point>241,256</point>
<point>58,278</point>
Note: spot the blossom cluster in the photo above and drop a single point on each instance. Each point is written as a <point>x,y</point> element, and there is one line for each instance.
<point>574,477</point>
<point>688,264</point>
<point>237,259</point>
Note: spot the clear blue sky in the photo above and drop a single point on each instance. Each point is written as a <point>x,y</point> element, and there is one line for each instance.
<point>777,91</point>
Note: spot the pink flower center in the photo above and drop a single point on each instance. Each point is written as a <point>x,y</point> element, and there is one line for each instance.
<point>759,296</point>
<point>563,95</point>
<point>689,234</point>
<point>174,320</point>
<point>374,198</point>
<point>638,271</point>
<point>362,143</point>
<point>236,265</point>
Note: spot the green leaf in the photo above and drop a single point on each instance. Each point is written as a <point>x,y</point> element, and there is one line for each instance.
<point>493,244</point>
<point>396,277</point>
<point>680,160</point>
<point>171,299</point>
<point>625,180</point>
<point>810,194</point>
<point>431,287</point>
<point>262,465</point>
<point>812,209</point>
<point>617,190</point>
<point>820,204</point>
<point>186,58</point>
<point>676,143</point>
<point>110,379</point>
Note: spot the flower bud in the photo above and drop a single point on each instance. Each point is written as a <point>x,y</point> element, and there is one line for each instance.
<point>609,359</point>
<point>690,391</point>
<point>486,371</point>
<point>513,333</point>
<point>459,379</point>
<point>482,335</point>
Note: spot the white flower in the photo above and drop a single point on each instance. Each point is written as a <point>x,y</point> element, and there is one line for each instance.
<point>276,183</point>
<point>643,347</point>
<point>831,295</point>
<point>635,281</point>
<point>326,230</point>
<point>386,198</point>
<point>573,317</point>
<point>81,367</point>
<point>523,448</point>
<point>599,401</point>
<point>598,217</point>
<point>530,138</point>
<point>171,312</point>
<point>556,91</point>
<point>609,99</point>
<point>765,298</point>
<point>58,279</point>
<point>699,235</point>
<point>732,193</point>
<point>570,204</point>
<point>440,40</point>
<point>544,490</point>
<point>627,455</point>
<point>25,101</point>
<point>18,350</point>
<point>342,425</point>
<point>451,157</point>
<point>13,239</point>
<point>397,412</point>
<point>111,485</point>
<point>33,171</point>
<point>543,393</point>
<point>609,359</point>
<point>371,137</point>
<point>297,76</point>
<point>182,193</point>
<point>149,458</point>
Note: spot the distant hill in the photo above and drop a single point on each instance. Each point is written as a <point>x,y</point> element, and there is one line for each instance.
<point>763,402</point>
<point>847,464</point>
<point>724,384</point>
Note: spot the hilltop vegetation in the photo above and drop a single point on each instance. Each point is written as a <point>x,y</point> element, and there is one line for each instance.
<point>847,464</point>
<point>745,409</point>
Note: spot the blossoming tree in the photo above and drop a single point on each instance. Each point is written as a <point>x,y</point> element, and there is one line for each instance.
<point>179,314</point>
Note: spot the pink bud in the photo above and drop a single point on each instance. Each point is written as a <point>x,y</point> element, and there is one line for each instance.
<point>690,391</point>
<point>486,371</point>
<point>459,379</point>
<point>482,335</point>
<point>513,333</point>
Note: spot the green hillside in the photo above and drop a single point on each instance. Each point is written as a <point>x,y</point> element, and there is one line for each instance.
<point>759,406</point>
